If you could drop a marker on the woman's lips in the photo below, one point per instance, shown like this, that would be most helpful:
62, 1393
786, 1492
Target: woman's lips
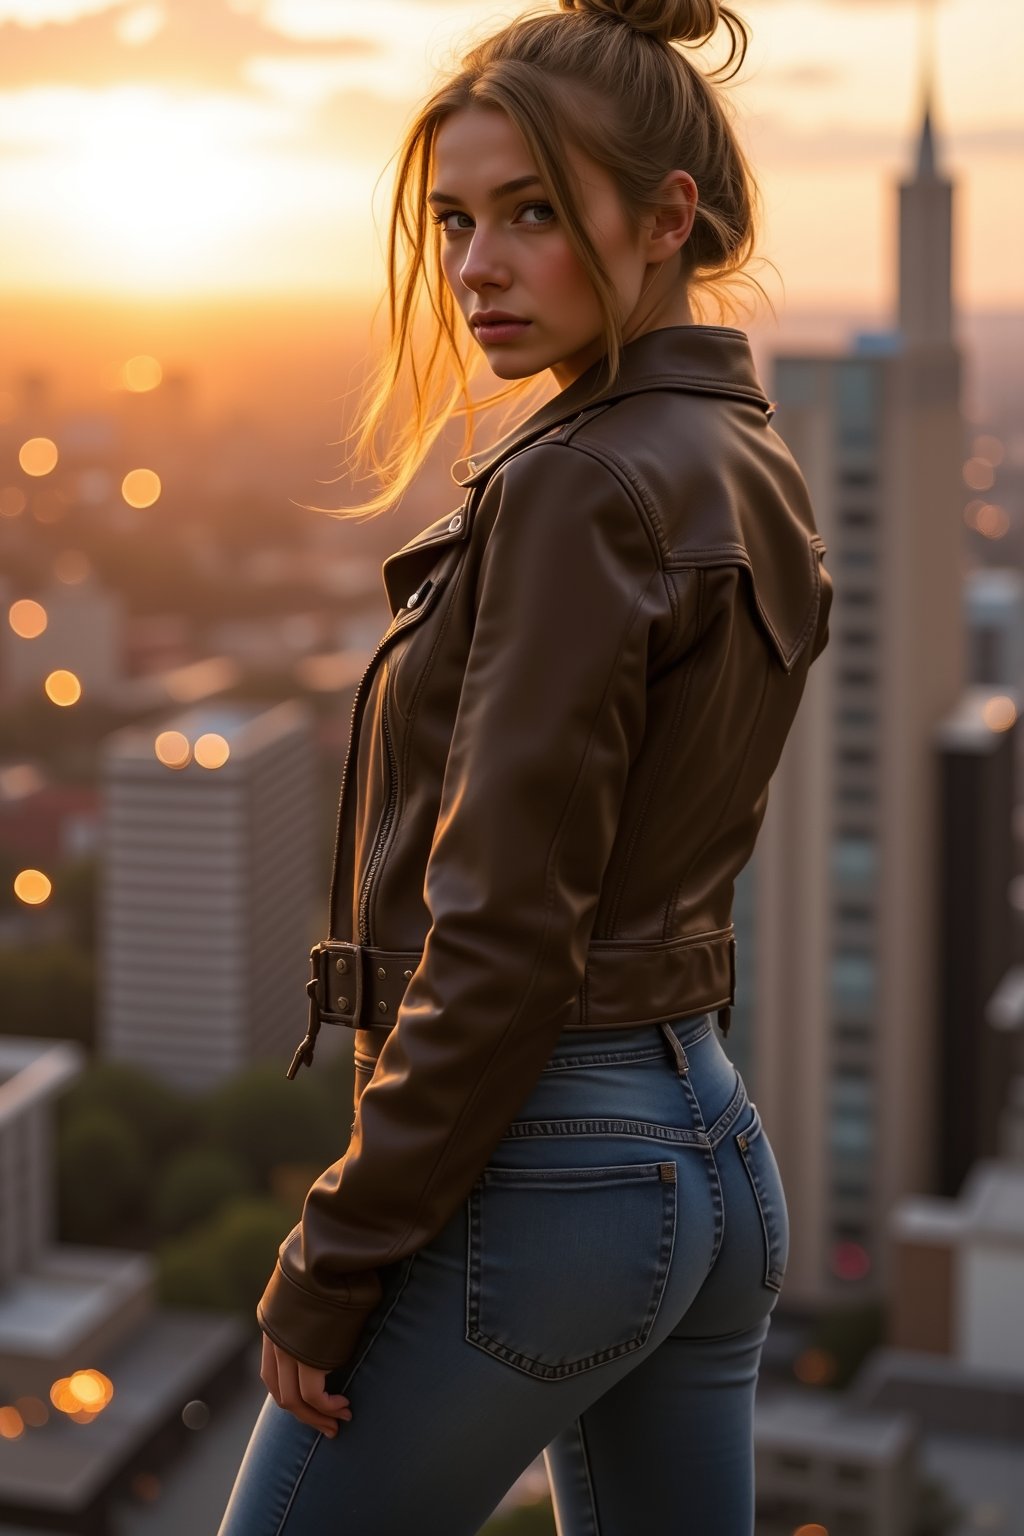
500, 330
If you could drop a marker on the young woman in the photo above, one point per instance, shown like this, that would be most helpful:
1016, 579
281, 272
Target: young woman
558, 1226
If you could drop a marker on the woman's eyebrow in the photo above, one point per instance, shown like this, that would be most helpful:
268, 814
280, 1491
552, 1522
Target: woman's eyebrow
494, 194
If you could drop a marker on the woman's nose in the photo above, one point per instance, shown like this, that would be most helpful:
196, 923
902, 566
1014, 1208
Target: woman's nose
483, 266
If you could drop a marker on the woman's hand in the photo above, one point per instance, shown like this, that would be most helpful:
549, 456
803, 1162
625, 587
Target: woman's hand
302, 1389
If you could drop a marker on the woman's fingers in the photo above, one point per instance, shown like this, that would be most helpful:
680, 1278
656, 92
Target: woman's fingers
268, 1370
313, 1387
301, 1390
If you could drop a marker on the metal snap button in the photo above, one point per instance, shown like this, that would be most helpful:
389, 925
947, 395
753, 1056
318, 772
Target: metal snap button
341, 965
407, 974
343, 1005
381, 972
382, 1007
412, 599
456, 523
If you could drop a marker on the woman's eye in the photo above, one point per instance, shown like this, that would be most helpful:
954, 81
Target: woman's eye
546, 210
441, 219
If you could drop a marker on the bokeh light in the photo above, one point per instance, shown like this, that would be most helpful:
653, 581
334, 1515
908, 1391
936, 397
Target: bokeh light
33, 1410
141, 487
71, 566
38, 456
815, 1367
211, 750
146, 1487
13, 501
63, 687
195, 1415
989, 448
979, 475
92, 1389
999, 713
141, 373
173, 749
992, 521
82, 1395
32, 887
850, 1261
27, 618
12, 1425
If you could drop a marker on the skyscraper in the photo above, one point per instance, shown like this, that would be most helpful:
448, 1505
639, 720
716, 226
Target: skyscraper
846, 907
207, 908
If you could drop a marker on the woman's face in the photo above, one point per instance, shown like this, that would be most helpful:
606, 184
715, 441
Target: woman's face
503, 249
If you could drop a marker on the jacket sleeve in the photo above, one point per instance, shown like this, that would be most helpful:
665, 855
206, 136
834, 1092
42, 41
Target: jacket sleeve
550, 716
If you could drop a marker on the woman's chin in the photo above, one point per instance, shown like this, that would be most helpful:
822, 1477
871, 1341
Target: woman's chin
508, 367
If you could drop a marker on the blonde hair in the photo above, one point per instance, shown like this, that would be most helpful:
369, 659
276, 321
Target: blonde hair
629, 100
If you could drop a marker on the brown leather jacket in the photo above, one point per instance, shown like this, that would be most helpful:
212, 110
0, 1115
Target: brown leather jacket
558, 762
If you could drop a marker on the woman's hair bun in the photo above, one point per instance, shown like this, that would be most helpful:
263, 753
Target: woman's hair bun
689, 21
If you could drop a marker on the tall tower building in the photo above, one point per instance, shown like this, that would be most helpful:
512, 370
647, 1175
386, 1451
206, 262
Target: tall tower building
208, 900
845, 1022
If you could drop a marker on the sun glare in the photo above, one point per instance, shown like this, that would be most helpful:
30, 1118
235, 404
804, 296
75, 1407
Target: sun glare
152, 183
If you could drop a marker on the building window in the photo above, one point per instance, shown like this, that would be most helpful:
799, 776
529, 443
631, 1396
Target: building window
857, 757
857, 559
851, 1128
853, 860
857, 677
853, 979
857, 517
791, 1461
850, 1472
857, 477
857, 637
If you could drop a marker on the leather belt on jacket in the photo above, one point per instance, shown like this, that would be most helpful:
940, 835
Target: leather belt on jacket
625, 985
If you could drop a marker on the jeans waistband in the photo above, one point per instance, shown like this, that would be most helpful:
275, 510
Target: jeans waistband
643, 1039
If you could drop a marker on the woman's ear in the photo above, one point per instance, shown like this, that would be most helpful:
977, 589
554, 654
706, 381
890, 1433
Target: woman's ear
670, 228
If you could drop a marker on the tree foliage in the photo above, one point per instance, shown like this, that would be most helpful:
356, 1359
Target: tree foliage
101, 1177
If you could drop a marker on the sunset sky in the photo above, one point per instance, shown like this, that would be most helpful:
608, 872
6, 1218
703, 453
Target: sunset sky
200, 146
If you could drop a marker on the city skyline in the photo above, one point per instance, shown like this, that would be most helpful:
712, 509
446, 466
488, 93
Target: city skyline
183, 148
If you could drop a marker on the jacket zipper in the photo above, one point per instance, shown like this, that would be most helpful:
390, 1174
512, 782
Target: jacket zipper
357, 703
383, 828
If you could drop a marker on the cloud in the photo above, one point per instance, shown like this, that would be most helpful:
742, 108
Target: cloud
202, 44
774, 141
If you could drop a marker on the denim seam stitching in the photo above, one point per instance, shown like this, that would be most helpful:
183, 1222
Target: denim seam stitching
773, 1276
606, 1126
586, 1469
377, 1331
298, 1483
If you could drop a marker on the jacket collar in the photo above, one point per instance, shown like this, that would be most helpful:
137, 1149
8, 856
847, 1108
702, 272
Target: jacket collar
701, 359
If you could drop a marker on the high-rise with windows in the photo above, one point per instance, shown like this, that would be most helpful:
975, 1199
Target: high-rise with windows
846, 900
208, 902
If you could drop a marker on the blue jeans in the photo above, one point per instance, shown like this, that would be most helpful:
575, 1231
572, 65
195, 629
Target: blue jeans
602, 1296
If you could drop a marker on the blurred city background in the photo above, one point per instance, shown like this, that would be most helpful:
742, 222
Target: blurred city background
189, 264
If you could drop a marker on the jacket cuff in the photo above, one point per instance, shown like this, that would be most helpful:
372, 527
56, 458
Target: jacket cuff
317, 1332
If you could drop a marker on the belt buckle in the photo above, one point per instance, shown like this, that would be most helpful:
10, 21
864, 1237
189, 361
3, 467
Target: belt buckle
347, 964
341, 978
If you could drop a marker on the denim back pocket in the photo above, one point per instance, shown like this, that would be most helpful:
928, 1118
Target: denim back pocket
759, 1160
567, 1266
